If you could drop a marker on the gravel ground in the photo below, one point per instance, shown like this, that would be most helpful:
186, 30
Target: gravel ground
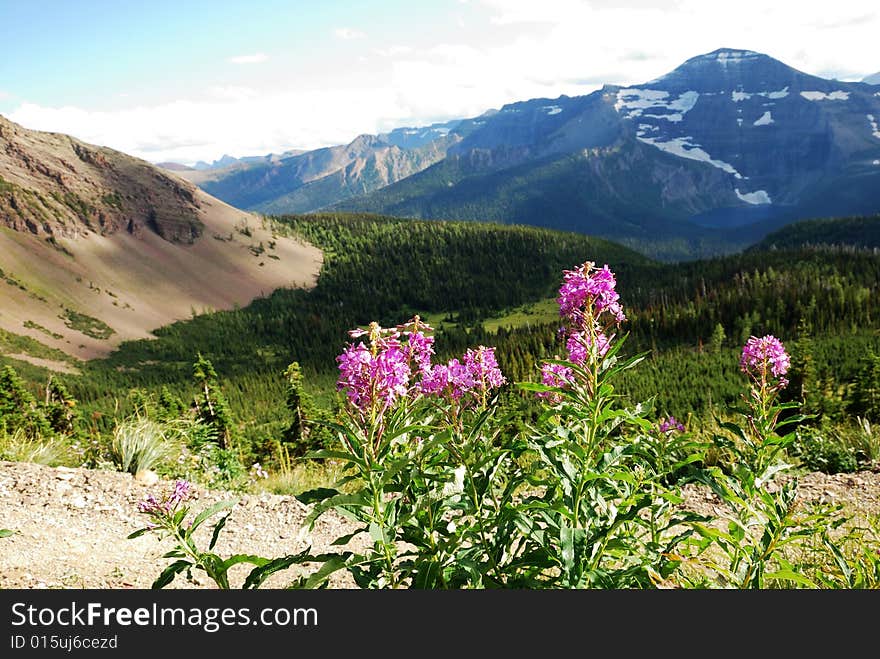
71, 526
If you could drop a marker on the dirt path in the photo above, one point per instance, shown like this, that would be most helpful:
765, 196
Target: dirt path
71, 526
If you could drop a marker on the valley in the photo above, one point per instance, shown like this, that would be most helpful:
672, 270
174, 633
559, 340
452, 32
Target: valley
571, 342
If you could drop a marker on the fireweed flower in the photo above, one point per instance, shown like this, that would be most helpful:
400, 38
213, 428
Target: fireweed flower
764, 357
578, 345
554, 375
587, 292
180, 493
419, 347
589, 306
671, 424
475, 374
374, 376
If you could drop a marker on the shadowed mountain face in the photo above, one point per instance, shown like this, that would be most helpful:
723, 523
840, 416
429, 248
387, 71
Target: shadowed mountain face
97, 247
728, 139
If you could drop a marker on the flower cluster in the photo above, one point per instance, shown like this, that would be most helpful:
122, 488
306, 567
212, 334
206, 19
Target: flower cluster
476, 374
587, 292
375, 376
764, 357
671, 424
589, 305
554, 375
167, 504
397, 364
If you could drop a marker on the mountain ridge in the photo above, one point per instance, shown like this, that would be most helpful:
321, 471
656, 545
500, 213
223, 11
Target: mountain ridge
777, 135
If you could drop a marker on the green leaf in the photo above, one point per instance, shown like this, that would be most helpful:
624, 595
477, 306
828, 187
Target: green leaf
790, 575
339, 501
5, 533
318, 494
332, 563
260, 573
259, 561
131, 536
169, 573
217, 528
345, 539
213, 510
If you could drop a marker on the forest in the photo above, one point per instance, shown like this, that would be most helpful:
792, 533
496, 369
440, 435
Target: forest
250, 380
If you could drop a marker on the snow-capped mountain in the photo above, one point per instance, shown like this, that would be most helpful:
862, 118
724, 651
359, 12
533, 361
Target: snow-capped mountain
728, 138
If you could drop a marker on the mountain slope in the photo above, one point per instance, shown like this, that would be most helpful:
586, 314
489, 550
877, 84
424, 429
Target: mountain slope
97, 247
727, 139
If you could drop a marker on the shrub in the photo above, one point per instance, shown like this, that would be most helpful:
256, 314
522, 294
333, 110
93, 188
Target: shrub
139, 444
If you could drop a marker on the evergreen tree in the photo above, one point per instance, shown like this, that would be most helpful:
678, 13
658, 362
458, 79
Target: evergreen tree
18, 407
210, 404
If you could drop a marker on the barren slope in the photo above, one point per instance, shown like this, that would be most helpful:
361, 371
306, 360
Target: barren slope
97, 247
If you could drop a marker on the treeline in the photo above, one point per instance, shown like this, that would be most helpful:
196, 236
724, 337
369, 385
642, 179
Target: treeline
846, 233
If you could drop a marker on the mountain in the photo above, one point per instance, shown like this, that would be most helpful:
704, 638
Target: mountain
873, 79
305, 181
728, 139
97, 247
318, 178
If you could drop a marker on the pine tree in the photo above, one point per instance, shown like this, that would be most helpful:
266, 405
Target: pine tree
210, 404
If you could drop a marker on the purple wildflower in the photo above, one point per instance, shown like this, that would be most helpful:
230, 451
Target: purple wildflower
763, 355
671, 424
578, 345
181, 492
483, 368
588, 286
554, 375
149, 505
476, 374
153, 506
380, 375
419, 349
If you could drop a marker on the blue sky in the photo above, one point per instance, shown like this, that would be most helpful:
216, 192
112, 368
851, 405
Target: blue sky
194, 80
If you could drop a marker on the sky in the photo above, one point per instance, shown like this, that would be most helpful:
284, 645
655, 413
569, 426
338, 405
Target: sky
187, 81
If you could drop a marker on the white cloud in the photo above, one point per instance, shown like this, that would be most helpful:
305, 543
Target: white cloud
255, 58
348, 34
513, 50
242, 124
392, 51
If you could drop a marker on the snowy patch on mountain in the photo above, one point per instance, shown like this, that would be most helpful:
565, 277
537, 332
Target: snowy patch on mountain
683, 148
782, 93
764, 120
635, 101
756, 198
552, 109
875, 131
822, 96
726, 57
738, 96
